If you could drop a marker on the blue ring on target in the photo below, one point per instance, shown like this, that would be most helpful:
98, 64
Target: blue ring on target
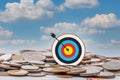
60, 49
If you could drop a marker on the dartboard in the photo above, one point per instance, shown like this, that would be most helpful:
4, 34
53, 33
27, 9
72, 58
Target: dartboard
68, 49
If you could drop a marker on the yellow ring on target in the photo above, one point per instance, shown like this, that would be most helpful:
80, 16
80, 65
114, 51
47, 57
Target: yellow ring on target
68, 52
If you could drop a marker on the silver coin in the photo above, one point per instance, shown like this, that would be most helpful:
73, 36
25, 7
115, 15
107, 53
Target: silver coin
29, 67
37, 74
91, 71
112, 65
50, 60
35, 58
34, 71
41, 65
37, 62
12, 64
8, 67
5, 57
106, 75
75, 71
47, 69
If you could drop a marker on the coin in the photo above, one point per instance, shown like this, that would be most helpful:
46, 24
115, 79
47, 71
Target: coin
106, 75
35, 58
4, 74
12, 64
17, 57
60, 69
91, 71
93, 78
36, 62
95, 60
50, 60
98, 64
117, 73
64, 76
42, 65
51, 63
47, 69
6, 57
23, 51
19, 61
37, 74
29, 67
46, 53
17, 72
34, 71
75, 71
112, 65
3, 66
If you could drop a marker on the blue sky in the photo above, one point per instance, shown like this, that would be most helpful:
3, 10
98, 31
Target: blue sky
26, 24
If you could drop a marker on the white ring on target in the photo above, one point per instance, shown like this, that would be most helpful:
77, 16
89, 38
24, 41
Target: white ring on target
71, 36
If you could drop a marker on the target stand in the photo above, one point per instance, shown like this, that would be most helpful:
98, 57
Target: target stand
68, 49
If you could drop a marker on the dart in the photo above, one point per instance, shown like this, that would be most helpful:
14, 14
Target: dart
54, 36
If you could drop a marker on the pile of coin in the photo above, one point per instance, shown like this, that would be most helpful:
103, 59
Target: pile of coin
41, 63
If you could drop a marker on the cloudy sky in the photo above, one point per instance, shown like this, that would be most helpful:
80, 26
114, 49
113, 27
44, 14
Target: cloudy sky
26, 24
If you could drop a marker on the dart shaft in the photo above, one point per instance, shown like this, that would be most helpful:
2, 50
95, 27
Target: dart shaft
63, 45
54, 36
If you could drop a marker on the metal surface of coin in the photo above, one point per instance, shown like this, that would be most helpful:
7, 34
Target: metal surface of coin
12, 64
34, 71
17, 57
29, 67
64, 76
35, 58
6, 57
106, 75
36, 62
76, 71
17, 72
37, 74
112, 65
91, 71
60, 69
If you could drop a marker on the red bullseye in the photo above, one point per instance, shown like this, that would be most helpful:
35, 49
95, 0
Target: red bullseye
71, 53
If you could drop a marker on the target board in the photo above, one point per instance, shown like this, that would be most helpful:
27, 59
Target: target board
68, 49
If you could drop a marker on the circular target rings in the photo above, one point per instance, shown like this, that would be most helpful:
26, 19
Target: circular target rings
68, 49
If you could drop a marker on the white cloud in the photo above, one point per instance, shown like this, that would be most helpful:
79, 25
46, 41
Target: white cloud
108, 49
41, 9
87, 30
115, 42
27, 9
78, 4
4, 33
45, 37
65, 27
102, 21
16, 42
95, 25
60, 28
7, 38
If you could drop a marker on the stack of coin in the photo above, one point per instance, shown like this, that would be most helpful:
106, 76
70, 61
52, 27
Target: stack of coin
40, 63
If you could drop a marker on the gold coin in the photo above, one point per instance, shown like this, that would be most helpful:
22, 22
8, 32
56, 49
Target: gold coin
64, 76
60, 69
17, 72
